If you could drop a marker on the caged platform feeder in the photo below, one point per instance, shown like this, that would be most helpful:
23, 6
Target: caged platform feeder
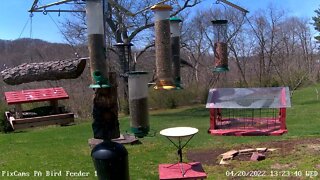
220, 47
248, 111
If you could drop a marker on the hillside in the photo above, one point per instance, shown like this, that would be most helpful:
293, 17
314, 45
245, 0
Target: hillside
26, 50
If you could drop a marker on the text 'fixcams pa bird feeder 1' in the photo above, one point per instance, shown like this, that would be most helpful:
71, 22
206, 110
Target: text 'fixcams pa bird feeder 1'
163, 47
138, 102
175, 50
220, 28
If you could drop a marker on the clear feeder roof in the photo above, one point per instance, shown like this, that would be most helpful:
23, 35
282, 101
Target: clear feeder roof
273, 97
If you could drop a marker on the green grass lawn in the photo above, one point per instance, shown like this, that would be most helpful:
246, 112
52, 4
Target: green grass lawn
55, 149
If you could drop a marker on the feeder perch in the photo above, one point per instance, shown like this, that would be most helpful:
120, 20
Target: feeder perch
138, 102
100, 81
163, 47
175, 47
248, 111
220, 45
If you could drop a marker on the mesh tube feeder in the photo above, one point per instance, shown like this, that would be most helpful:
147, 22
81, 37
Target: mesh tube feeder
175, 50
110, 159
124, 50
220, 45
138, 102
163, 47
96, 41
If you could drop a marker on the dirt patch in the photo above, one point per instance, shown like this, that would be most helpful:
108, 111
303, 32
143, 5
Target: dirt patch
212, 156
208, 157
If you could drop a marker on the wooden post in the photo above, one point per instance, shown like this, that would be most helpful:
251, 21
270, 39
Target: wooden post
213, 118
18, 109
105, 111
282, 119
55, 106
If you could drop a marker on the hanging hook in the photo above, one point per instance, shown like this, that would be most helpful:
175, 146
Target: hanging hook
59, 13
44, 11
218, 2
31, 15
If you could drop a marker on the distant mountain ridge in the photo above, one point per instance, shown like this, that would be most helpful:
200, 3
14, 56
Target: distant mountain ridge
26, 50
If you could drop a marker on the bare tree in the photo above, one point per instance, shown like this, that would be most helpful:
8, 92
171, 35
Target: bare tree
296, 52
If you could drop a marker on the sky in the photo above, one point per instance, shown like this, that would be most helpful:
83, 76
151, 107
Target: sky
14, 16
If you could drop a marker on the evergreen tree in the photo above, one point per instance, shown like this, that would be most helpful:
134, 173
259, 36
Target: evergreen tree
316, 23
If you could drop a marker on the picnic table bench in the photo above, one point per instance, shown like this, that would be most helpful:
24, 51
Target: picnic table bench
52, 95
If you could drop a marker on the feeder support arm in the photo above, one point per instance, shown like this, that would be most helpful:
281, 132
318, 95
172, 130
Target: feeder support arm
234, 6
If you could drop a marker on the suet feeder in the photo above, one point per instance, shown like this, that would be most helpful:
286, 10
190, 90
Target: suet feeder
175, 50
163, 47
220, 45
138, 102
100, 81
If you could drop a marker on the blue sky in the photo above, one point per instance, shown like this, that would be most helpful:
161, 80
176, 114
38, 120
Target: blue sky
14, 15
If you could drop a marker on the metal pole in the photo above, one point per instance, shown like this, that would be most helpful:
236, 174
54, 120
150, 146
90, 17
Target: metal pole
33, 8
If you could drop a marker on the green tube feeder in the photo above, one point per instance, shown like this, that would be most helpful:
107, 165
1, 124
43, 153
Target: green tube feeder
220, 28
175, 50
177, 82
100, 81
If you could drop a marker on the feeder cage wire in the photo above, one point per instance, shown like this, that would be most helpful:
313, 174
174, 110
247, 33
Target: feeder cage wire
248, 111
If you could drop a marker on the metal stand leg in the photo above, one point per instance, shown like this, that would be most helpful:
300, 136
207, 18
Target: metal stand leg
180, 147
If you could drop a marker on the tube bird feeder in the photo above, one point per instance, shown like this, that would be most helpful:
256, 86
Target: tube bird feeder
96, 41
110, 158
124, 51
220, 45
175, 50
138, 102
163, 49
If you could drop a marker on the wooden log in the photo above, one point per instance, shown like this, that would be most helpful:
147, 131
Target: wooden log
51, 70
